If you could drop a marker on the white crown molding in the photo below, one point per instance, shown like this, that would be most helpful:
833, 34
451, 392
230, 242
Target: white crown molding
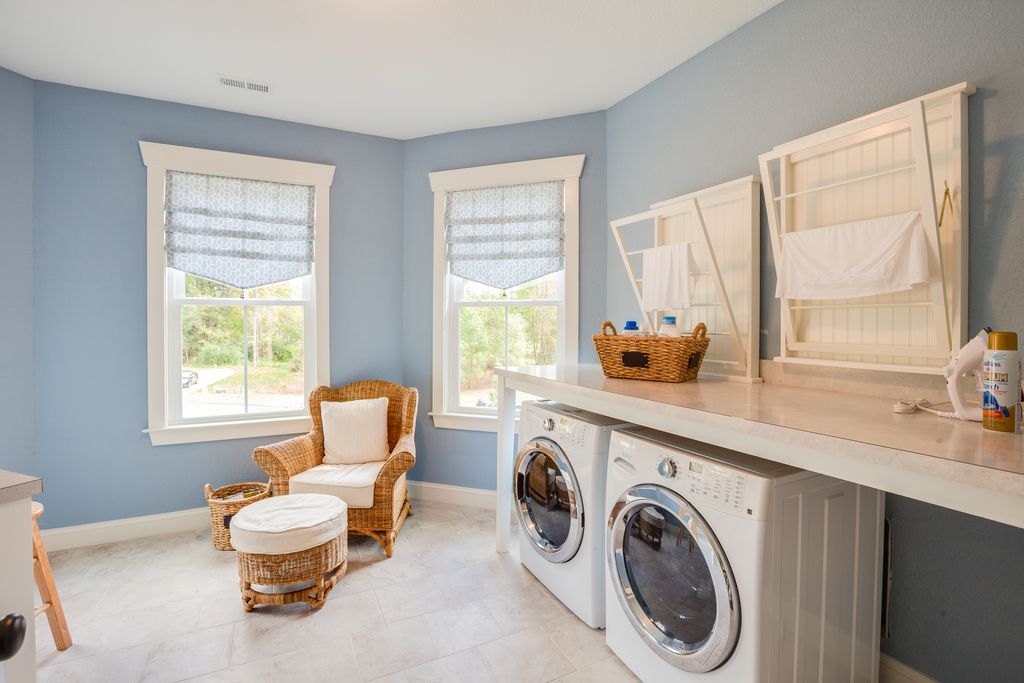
512, 173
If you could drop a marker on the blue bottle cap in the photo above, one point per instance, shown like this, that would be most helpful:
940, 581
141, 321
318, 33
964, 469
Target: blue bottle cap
669, 320
631, 325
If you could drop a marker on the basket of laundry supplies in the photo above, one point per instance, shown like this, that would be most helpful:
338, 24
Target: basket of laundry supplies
225, 502
658, 358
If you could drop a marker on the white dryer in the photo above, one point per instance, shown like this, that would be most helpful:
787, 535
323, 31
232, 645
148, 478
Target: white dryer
559, 501
725, 567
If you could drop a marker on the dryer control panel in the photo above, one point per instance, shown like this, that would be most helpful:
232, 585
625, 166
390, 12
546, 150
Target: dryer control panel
705, 482
716, 482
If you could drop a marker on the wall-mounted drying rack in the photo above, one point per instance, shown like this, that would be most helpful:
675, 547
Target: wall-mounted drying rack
722, 224
911, 156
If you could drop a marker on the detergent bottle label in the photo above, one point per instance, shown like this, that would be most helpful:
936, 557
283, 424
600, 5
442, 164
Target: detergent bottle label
1000, 381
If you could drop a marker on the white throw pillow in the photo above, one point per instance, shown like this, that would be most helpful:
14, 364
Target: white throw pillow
355, 431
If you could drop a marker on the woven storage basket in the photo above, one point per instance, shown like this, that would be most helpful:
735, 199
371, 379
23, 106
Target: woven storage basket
221, 511
662, 359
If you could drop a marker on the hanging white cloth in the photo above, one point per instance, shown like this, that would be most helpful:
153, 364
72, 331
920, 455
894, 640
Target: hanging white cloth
850, 260
667, 277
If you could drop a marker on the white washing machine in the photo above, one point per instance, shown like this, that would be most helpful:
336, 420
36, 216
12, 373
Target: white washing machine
559, 501
725, 567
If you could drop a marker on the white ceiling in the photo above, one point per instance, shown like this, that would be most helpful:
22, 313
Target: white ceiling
398, 68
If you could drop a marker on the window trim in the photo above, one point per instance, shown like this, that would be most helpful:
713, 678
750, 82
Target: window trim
158, 159
567, 169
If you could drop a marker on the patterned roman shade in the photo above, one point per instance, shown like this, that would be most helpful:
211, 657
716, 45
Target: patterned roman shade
243, 233
506, 236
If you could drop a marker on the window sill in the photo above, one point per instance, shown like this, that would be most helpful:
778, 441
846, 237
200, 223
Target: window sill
221, 431
467, 422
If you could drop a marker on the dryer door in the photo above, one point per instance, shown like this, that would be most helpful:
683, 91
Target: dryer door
672, 578
548, 500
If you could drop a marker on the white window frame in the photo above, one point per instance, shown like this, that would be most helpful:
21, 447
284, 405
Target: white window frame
163, 389
445, 412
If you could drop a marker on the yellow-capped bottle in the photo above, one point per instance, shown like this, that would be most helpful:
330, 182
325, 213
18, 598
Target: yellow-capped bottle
1000, 382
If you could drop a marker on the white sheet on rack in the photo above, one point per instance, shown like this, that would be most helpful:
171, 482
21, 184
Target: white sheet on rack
850, 260
667, 277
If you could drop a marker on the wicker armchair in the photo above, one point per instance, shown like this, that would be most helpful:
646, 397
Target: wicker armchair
390, 498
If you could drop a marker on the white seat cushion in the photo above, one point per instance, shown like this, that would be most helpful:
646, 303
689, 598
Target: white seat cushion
352, 483
288, 524
355, 431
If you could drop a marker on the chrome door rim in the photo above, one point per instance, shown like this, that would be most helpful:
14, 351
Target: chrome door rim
527, 454
714, 650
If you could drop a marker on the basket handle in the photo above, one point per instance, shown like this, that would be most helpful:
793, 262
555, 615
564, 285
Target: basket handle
700, 331
208, 490
606, 325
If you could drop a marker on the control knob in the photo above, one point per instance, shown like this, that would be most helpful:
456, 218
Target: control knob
668, 468
548, 424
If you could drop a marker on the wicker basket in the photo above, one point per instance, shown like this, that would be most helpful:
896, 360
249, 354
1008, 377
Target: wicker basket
662, 359
221, 511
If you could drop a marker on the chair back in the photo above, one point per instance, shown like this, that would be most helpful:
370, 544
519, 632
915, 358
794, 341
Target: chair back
401, 406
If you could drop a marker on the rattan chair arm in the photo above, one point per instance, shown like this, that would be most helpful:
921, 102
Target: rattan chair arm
283, 460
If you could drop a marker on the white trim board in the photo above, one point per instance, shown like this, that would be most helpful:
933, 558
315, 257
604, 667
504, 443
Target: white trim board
193, 519
894, 671
114, 530
453, 495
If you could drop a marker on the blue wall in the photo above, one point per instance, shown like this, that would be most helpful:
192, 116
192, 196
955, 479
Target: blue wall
90, 291
16, 272
465, 458
806, 65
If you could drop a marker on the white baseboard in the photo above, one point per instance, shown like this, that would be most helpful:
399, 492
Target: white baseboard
79, 535
454, 495
894, 671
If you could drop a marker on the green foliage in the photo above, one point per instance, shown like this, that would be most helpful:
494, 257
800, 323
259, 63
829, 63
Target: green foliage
213, 336
218, 355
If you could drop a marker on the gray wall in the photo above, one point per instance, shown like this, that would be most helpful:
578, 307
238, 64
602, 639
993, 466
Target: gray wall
16, 272
90, 291
465, 458
805, 65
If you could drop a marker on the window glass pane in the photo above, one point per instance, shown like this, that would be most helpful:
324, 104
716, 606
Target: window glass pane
481, 349
289, 289
200, 287
212, 355
276, 378
532, 335
542, 288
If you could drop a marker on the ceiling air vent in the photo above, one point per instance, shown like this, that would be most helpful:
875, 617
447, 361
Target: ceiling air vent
244, 84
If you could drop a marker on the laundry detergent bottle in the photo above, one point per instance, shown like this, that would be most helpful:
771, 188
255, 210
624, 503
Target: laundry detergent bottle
1000, 380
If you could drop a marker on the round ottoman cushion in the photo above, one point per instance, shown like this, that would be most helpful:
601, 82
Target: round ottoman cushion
288, 524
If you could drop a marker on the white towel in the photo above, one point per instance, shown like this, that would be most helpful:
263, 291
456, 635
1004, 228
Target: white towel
667, 277
850, 260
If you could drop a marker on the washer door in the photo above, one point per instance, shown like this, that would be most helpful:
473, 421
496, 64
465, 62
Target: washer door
672, 578
548, 501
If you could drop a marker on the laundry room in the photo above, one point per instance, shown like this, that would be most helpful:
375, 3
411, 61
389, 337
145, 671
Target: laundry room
646, 340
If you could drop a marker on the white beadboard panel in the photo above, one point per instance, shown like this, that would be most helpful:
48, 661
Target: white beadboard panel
859, 171
731, 216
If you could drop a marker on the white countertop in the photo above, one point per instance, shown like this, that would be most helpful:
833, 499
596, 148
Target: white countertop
849, 436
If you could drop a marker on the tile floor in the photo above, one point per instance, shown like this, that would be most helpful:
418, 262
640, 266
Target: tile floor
446, 607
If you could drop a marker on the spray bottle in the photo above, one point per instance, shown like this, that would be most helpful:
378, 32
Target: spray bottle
1001, 384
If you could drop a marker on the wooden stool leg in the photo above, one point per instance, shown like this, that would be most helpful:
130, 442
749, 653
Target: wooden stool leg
48, 592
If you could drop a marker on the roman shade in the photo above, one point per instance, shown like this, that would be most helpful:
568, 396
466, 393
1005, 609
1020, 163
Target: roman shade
242, 233
505, 236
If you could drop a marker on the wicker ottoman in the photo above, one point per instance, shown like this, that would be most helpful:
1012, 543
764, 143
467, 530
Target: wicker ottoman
290, 549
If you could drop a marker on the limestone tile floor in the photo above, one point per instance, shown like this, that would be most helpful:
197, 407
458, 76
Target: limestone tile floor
446, 607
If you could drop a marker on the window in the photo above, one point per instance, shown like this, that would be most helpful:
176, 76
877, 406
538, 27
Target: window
506, 274
237, 292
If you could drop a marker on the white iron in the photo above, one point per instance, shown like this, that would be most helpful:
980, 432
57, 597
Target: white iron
967, 361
